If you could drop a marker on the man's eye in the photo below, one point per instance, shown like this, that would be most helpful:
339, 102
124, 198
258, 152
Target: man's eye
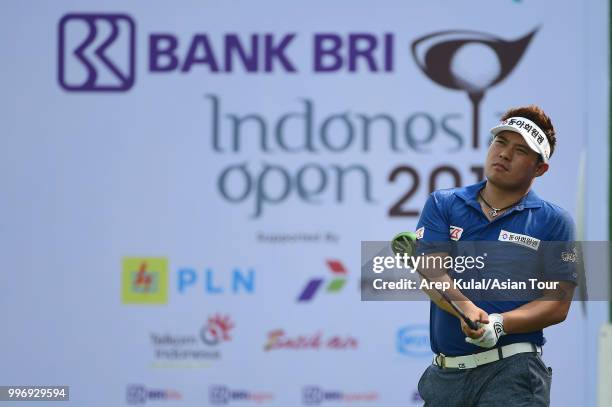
523, 152
499, 141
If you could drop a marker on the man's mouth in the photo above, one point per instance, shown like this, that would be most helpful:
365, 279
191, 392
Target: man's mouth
501, 166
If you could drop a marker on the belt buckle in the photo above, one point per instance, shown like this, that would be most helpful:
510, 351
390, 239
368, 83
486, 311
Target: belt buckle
442, 361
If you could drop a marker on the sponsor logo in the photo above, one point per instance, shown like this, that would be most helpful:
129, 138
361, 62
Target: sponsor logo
420, 232
96, 52
531, 130
212, 282
499, 328
314, 396
455, 232
222, 395
95, 59
413, 340
178, 350
447, 57
139, 394
279, 340
216, 330
335, 285
570, 256
262, 189
523, 240
144, 280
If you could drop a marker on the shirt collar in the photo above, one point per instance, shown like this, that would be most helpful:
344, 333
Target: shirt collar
470, 195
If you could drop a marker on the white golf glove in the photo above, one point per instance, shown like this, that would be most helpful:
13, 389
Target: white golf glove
493, 331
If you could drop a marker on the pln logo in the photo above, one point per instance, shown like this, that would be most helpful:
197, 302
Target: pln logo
335, 285
96, 52
147, 280
144, 280
209, 281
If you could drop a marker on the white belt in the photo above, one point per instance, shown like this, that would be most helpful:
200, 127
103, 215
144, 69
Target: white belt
482, 358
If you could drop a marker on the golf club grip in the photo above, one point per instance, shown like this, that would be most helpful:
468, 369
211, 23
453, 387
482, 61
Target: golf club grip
473, 325
404, 242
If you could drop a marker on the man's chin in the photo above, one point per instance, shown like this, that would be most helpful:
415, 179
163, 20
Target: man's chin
506, 184
499, 180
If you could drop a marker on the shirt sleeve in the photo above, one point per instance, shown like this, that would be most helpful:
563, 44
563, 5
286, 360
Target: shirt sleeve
562, 257
433, 227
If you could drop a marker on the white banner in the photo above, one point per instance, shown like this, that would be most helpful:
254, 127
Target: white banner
186, 186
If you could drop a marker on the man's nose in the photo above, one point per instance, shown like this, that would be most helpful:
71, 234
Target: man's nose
506, 153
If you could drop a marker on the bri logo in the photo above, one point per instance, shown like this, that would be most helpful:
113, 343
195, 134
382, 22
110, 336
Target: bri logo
222, 395
139, 394
96, 52
86, 43
315, 395
335, 285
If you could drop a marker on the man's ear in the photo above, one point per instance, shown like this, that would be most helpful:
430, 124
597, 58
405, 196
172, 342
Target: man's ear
541, 169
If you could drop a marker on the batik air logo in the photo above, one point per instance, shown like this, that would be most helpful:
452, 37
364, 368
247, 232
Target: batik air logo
523, 240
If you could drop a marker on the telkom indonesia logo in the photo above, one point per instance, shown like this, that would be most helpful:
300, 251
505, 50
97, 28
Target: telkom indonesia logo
216, 330
96, 52
335, 284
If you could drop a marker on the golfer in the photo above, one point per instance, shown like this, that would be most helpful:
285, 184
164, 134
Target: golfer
500, 362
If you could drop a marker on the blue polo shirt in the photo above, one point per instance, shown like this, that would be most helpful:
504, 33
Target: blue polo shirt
453, 219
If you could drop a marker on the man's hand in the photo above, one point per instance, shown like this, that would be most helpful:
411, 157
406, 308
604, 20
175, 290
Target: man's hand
475, 314
492, 332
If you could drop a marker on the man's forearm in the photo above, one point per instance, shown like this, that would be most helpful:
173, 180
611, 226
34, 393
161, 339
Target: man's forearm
441, 276
440, 302
540, 313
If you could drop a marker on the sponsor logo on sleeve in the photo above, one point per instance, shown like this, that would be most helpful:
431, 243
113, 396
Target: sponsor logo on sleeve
420, 232
455, 232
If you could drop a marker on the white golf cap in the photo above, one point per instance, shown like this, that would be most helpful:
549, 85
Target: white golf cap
533, 135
